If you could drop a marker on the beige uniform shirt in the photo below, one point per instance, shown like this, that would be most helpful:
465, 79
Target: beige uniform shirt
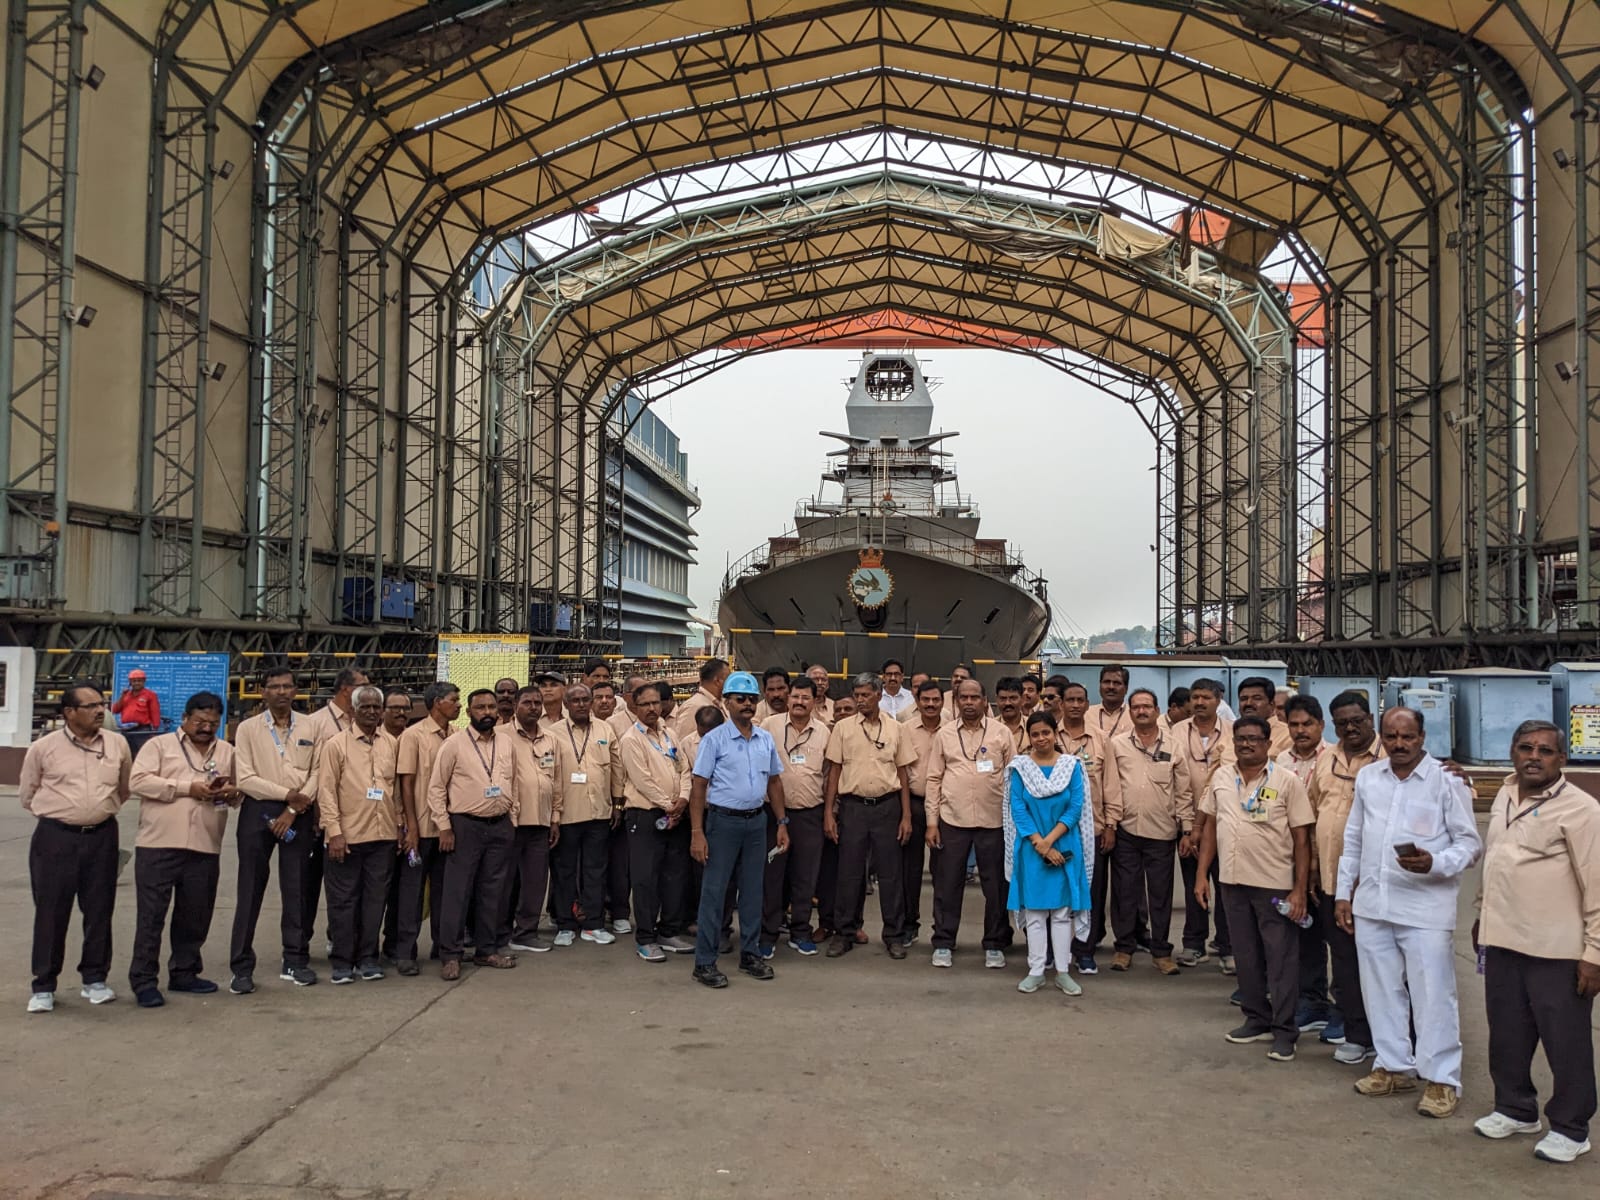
170, 818
1256, 849
804, 754
357, 797
588, 772
1541, 874
419, 747
1105, 789
475, 775
870, 755
1019, 734
1157, 801
76, 783
620, 721
686, 751
274, 760
1281, 740
536, 775
1304, 768
1107, 722
682, 723
327, 722
1332, 791
652, 767
1201, 755
922, 742
967, 775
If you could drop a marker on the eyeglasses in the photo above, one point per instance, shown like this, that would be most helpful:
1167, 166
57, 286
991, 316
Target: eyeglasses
1248, 739
93, 704
397, 708
506, 692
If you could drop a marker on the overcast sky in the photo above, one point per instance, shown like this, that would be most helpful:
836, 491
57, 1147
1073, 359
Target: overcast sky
1060, 470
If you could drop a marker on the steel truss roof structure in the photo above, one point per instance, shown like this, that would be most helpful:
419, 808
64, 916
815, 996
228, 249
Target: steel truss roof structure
473, 226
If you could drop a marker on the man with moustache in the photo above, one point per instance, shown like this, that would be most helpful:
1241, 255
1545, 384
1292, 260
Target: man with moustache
421, 863
658, 842
530, 851
791, 878
1111, 715
589, 779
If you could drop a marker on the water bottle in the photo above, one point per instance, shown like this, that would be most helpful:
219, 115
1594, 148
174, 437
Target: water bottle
288, 834
413, 859
1282, 907
664, 822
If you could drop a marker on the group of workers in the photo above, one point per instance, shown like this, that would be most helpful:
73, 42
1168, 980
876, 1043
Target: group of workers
620, 811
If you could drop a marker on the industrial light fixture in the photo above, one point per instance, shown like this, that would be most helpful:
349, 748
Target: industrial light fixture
1452, 239
81, 314
94, 77
1565, 370
215, 371
225, 168
1562, 160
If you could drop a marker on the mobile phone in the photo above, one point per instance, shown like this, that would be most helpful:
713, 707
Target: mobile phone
1405, 849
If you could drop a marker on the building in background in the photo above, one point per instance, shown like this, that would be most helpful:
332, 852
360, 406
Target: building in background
657, 549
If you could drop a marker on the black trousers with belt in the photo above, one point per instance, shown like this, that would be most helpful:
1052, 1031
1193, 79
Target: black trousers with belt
581, 859
618, 866
1196, 918
1314, 959
475, 875
659, 873
186, 882
1143, 870
257, 848
525, 898
408, 887
1346, 976
358, 886
950, 884
1266, 946
67, 864
869, 827
914, 864
1533, 1001
791, 879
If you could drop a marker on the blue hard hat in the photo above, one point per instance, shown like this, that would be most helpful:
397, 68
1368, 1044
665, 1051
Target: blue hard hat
741, 683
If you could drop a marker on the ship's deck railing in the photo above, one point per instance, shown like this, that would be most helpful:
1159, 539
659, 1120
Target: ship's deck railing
933, 509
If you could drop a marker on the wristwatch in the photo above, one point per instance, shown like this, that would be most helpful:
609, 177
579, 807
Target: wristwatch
783, 820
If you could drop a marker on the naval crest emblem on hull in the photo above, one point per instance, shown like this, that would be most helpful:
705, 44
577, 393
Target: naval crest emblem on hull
870, 585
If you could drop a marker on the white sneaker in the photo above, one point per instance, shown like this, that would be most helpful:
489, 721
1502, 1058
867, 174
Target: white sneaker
994, 960
943, 958
1497, 1125
42, 1002
1353, 1054
622, 925
565, 937
1558, 1147
600, 937
97, 993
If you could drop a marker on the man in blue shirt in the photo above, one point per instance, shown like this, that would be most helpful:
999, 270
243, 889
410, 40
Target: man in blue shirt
735, 770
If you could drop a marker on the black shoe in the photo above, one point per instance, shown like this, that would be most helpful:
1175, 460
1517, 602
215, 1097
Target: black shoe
841, 945
195, 986
408, 966
242, 984
755, 966
725, 946
714, 978
299, 976
897, 949
149, 997
370, 970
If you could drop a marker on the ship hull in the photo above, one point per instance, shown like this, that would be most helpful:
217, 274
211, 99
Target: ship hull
972, 615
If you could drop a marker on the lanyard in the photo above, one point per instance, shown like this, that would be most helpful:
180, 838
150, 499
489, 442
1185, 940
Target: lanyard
98, 751
272, 728
804, 737
371, 743
1115, 721
494, 749
1153, 751
588, 732
338, 724
962, 742
210, 767
876, 741
1529, 810
1206, 743
667, 751
1252, 804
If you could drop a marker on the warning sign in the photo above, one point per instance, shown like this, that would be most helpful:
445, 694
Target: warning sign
1584, 731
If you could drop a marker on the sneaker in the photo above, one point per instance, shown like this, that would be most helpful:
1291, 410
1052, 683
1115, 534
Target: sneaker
1438, 1100
1281, 1052
767, 952
803, 946
195, 986
943, 958
343, 975
1085, 965
1031, 983
1353, 1054
1310, 1019
995, 960
1228, 967
1333, 1032
897, 950
239, 985
1165, 965
42, 1002
100, 993
1380, 1081
840, 945
677, 944
408, 966
370, 971
600, 937
532, 944
1237, 998
1121, 961
565, 937
1191, 958
725, 944
1248, 1033
755, 966
1068, 984
651, 953
1558, 1147
149, 997
711, 977
1497, 1125
1142, 946
622, 925
299, 976
911, 938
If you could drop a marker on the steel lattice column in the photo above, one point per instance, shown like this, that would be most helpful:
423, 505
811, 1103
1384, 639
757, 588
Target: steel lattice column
419, 532
363, 334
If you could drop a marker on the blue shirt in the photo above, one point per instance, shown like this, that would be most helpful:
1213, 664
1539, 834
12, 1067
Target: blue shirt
736, 768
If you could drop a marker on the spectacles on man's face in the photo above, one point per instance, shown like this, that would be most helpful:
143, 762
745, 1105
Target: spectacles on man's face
1540, 750
91, 705
1248, 739
397, 708
507, 692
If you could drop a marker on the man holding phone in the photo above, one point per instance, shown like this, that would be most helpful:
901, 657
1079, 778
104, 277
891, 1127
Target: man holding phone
1409, 838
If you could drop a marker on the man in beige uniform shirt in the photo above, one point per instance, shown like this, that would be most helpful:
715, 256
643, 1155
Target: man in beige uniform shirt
867, 810
917, 857
957, 673
361, 820
1010, 709
1076, 736
713, 674
774, 694
333, 718
1539, 929
473, 795
1111, 715
185, 784
966, 782
1257, 698
1303, 719
1205, 740
552, 687
790, 883
1157, 823
589, 778
421, 865
274, 754
622, 718
1177, 709
74, 781
529, 885
823, 709
912, 713
657, 836
604, 707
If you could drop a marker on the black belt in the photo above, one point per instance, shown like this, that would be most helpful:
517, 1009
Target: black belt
481, 820
870, 801
78, 828
737, 812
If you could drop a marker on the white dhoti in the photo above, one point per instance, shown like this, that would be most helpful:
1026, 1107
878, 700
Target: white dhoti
1408, 980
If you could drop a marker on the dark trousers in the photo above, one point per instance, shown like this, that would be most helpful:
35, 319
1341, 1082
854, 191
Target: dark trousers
1098, 888
791, 879
475, 879
1346, 976
408, 886
950, 884
914, 864
1143, 870
1196, 918
358, 886
1267, 952
619, 856
658, 868
524, 903
581, 857
736, 848
67, 864
185, 881
1532, 1001
870, 827
257, 847
316, 858
1314, 959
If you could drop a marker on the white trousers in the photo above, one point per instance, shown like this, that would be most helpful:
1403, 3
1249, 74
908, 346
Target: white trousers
1045, 927
1408, 979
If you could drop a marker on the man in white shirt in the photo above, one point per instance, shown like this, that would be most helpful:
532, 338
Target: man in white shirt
896, 699
1409, 838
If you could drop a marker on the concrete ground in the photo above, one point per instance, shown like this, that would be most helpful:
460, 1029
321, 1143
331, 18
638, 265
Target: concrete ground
586, 1072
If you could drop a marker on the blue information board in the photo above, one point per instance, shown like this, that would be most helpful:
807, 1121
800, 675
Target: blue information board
173, 676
